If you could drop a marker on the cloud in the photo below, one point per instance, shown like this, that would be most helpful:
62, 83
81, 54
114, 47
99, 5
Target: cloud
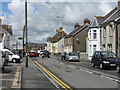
42, 16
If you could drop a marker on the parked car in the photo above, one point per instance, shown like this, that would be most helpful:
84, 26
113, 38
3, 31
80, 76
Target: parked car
33, 54
45, 54
104, 59
12, 57
3, 60
118, 66
72, 57
41, 52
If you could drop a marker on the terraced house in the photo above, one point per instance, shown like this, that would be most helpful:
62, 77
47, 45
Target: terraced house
76, 40
110, 31
93, 40
55, 44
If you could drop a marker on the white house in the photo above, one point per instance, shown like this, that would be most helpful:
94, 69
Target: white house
93, 40
16, 42
55, 44
5, 32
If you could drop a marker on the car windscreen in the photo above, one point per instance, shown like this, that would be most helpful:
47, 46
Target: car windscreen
72, 54
108, 55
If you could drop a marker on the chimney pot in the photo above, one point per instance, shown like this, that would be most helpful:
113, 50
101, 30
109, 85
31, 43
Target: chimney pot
86, 21
118, 3
76, 25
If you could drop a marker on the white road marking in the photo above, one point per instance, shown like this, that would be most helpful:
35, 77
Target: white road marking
110, 78
3, 74
86, 71
62, 63
16, 78
71, 66
98, 74
6, 79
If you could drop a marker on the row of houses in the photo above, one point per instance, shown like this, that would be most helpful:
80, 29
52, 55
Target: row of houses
103, 33
8, 40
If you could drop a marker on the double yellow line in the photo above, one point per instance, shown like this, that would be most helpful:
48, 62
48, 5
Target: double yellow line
61, 83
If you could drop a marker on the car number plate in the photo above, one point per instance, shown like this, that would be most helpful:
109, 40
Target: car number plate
112, 64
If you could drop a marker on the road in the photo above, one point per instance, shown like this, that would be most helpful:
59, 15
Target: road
8, 78
80, 74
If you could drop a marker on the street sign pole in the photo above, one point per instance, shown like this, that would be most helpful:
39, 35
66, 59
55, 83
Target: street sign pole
26, 33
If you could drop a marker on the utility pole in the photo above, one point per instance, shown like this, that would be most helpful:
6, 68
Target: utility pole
23, 39
26, 31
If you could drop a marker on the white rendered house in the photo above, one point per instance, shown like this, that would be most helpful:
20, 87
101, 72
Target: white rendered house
93, 40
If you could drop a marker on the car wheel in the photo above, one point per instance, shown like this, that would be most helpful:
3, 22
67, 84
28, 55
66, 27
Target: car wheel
118, 69
101, 66
14, 60
93, 65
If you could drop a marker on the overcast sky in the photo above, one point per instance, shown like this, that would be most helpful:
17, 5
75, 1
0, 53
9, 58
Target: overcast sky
42, 16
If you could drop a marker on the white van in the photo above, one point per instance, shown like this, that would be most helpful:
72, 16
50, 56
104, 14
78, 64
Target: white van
11, 55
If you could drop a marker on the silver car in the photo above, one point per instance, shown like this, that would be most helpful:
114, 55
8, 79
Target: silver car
72, 57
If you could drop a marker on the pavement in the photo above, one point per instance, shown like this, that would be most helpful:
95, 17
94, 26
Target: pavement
33, 78
10, 77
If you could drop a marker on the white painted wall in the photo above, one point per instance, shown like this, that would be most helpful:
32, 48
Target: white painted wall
15, 42
91, 42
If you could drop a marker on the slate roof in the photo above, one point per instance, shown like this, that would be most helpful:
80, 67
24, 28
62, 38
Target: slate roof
57, 37
111, 15
76, 31
8, 28
97, 21
100, 19
114, 16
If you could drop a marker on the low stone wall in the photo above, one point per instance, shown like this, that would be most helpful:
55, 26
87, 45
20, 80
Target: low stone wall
57, 54
84, 56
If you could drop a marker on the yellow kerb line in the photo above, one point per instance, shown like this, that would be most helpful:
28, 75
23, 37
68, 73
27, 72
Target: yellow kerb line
49, 74
53, 76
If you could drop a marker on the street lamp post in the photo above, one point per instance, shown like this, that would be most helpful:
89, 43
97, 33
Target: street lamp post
62, 33
23, 39
26, 33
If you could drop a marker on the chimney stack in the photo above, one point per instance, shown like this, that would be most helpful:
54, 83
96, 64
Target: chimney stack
86, 21
118, 3
59, 30
76, 26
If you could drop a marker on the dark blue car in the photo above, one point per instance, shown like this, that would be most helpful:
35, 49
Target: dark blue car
118, 66
104, 59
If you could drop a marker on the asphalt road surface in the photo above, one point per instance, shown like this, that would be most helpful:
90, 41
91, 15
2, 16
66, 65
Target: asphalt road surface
80, 74
8, 75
